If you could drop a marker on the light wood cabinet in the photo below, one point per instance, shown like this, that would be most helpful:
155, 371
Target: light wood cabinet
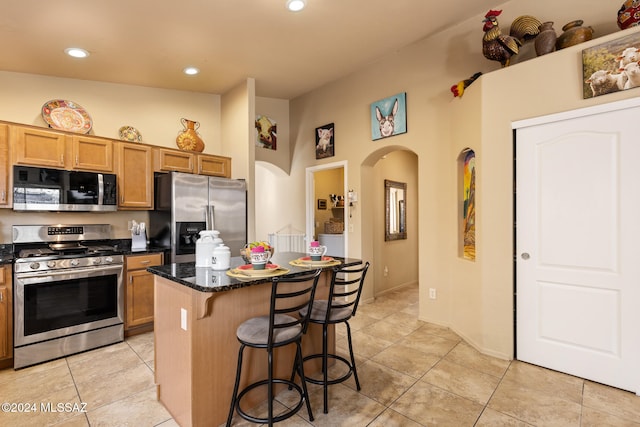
139, 290
48, 148
166, 160
38, 147
4, 166
135, 176
214, 165
6, 314
91, 154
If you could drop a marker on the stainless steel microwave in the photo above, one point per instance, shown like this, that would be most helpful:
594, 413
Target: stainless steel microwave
41, 189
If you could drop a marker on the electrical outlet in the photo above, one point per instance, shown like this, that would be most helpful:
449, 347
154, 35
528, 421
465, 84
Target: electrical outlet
432, 293
183, 318
386, 271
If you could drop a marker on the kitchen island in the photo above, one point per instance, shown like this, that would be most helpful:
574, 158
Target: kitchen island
197, 312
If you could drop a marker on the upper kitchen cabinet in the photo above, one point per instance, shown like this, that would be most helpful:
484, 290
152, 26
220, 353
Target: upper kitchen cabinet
4, 165
166, 160
91, 154
135, 176
214, 165
38, 147
48, 148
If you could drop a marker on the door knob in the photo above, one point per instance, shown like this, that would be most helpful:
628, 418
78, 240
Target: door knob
525, 256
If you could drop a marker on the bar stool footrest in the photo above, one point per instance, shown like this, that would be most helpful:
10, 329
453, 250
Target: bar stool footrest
343, 378
278, 418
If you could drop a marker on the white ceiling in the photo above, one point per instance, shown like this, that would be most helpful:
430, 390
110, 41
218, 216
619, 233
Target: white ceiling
149, 42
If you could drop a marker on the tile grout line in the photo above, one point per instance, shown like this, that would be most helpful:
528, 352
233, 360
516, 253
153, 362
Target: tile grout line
75, 385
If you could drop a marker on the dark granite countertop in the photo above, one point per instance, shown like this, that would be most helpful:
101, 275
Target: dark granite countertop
143, 251
205, 279
124, 245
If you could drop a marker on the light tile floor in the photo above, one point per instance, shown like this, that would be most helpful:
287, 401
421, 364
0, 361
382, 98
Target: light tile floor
412, 374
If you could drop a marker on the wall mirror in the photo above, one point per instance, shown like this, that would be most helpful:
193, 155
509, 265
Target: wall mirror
395, 196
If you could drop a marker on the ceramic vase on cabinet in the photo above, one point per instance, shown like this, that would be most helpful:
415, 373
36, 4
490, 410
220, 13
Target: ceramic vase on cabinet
545, 41
189, 139
574, 33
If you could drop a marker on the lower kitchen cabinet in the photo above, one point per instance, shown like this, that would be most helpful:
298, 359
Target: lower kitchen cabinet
139, 292
6, 317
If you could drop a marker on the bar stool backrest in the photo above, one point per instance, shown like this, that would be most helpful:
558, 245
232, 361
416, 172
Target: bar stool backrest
289, 295
346, 288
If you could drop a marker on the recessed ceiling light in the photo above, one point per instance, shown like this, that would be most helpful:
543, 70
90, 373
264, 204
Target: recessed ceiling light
76, 52
191, 71
295, 5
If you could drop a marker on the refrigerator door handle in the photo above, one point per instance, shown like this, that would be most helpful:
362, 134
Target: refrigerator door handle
209, 217
212, 219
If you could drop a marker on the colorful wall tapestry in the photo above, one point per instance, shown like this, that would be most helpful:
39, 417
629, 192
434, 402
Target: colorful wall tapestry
469, 210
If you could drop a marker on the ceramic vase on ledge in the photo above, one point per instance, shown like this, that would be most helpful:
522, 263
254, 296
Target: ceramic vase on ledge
629, 14
545, 41
574, 33
189, 139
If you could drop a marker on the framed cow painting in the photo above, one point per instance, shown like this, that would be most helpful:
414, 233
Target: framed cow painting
267, 133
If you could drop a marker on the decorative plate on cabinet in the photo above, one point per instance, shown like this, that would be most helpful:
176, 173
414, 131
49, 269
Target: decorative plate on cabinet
66, 115
129, 133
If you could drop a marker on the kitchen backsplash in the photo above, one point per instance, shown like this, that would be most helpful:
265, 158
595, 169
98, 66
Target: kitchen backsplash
118, 220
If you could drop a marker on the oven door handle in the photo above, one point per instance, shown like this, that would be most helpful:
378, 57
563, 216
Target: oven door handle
69, 272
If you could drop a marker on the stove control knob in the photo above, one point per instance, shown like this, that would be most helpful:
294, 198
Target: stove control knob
97, 261
51, 264
108, 260
34, 265
74, 263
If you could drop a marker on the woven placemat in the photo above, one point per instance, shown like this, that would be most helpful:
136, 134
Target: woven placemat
239, 274
313, 264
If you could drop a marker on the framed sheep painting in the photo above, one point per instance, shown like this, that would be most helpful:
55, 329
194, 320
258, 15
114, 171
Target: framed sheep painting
325, 141
611, 67
389, 116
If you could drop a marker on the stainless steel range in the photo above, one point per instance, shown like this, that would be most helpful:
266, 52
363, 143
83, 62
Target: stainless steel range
68, 291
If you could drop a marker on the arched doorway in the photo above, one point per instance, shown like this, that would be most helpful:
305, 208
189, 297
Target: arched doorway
394, 263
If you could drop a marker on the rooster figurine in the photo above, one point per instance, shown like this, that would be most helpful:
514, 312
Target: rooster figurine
458, 88
495, 45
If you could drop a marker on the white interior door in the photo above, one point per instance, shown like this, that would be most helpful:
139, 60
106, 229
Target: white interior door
578, 225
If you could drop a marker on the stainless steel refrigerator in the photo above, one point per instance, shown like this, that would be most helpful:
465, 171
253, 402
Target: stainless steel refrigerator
186, 204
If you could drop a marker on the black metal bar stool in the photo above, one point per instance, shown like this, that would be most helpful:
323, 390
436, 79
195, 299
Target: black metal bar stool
282, 326
344, 295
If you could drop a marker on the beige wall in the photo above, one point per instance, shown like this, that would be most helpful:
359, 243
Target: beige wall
474, 298
156, 113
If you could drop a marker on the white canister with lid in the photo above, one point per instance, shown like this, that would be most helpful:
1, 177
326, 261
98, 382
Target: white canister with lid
221, 258
217, 240
204, 248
